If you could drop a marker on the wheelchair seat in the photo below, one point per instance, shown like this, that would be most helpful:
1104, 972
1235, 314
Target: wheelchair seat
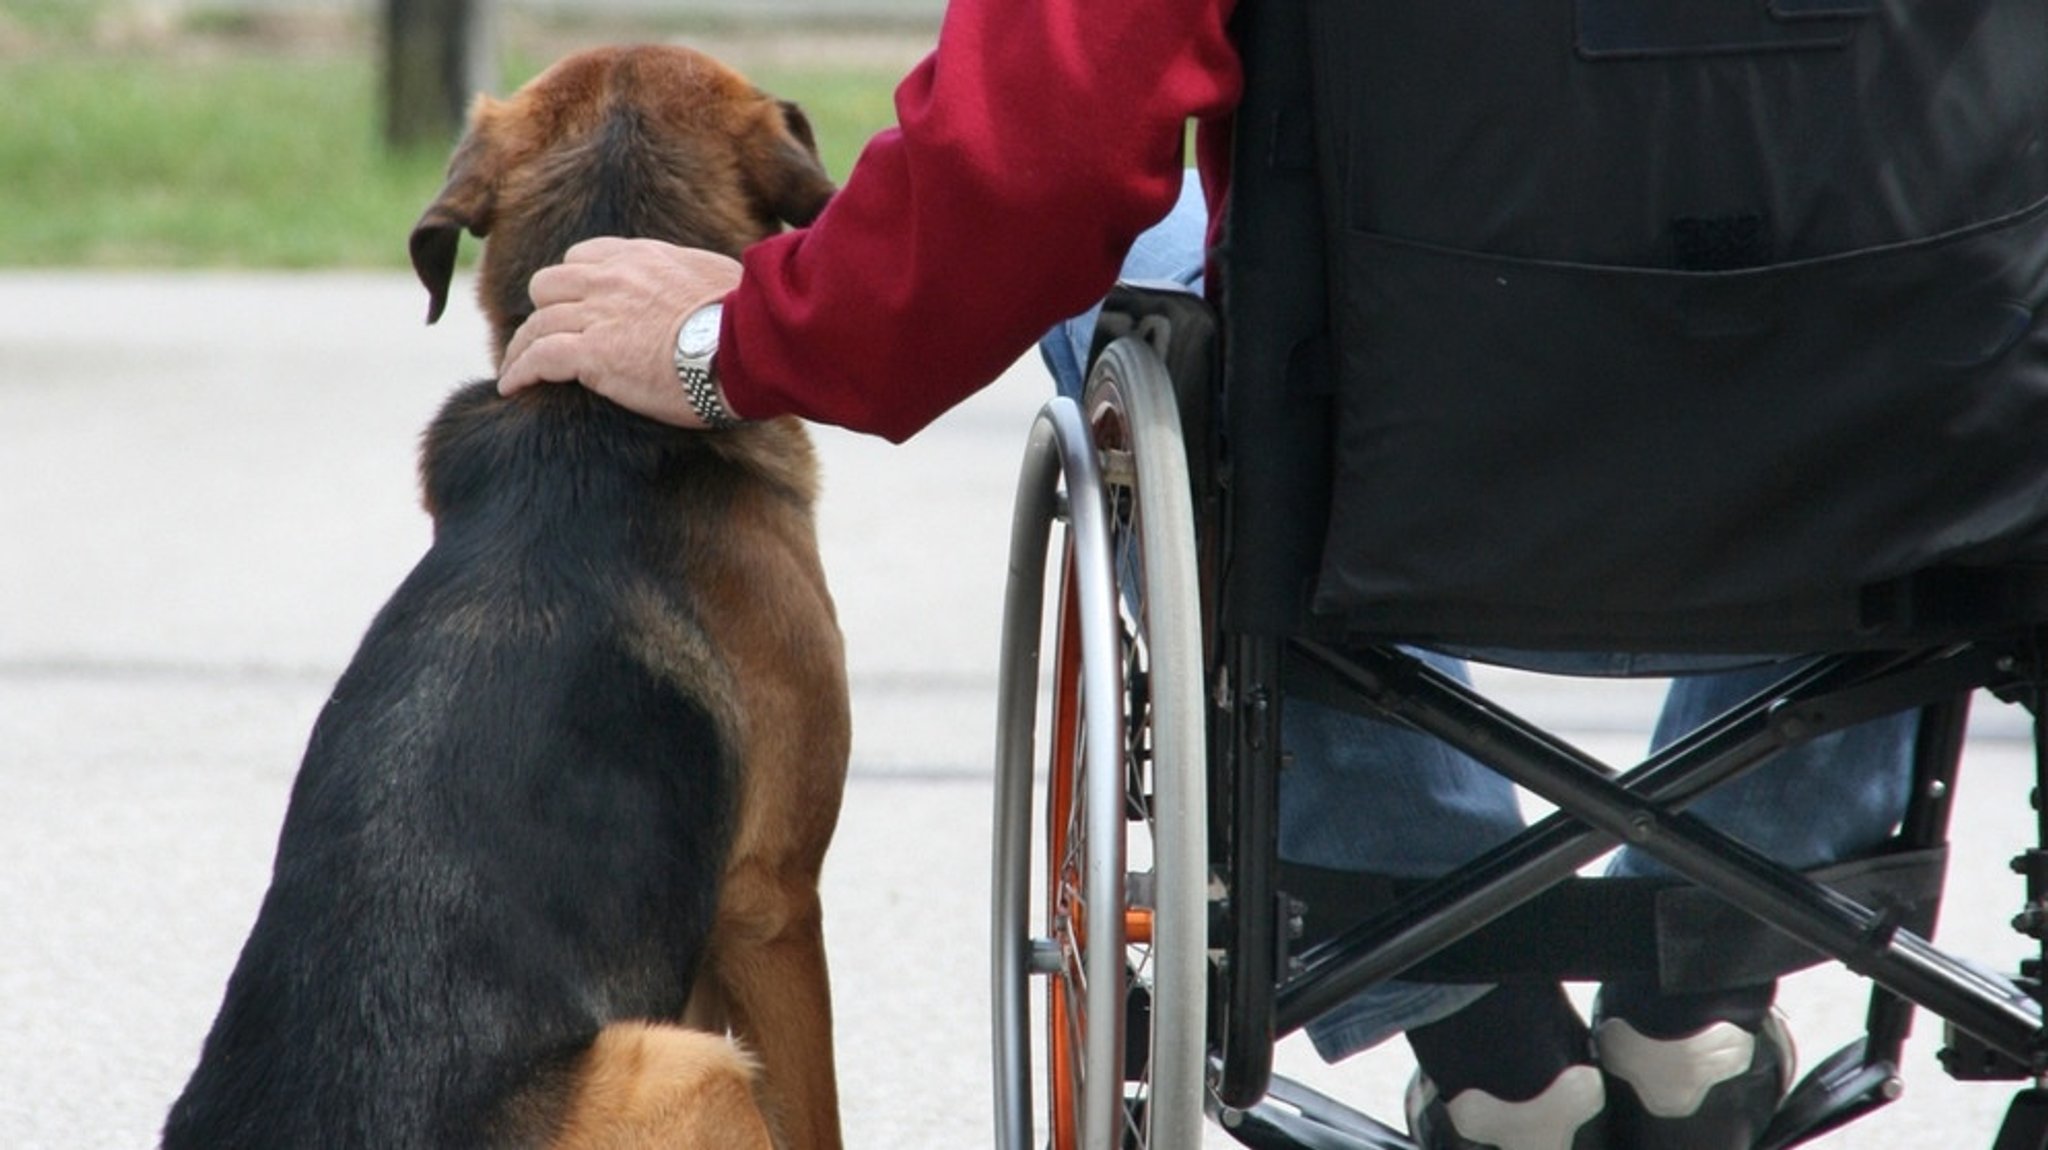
1704, 374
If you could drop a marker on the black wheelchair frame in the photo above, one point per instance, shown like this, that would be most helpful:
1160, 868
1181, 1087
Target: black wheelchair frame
1279, 946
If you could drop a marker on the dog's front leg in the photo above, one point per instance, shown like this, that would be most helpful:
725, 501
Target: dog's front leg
771, 979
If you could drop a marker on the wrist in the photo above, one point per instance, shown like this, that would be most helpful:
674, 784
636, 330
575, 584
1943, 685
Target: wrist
696, 366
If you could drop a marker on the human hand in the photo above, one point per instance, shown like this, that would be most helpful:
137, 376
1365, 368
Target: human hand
607, 317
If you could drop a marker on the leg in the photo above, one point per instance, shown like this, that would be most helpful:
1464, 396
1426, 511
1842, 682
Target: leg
1719, 1059
1529, 1080
1507, 1066
1430, 809
1814, 804
769, 977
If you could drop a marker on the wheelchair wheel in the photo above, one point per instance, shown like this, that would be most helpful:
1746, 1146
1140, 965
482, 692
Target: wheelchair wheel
1123, 889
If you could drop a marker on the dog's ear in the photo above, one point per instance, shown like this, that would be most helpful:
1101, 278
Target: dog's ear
467, 201
787, 173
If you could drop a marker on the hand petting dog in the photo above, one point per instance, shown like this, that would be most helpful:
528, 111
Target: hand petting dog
592, 313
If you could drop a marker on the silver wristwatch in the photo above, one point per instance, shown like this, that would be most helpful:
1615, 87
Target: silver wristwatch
696, 348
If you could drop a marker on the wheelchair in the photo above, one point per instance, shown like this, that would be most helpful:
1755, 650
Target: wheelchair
1225, 545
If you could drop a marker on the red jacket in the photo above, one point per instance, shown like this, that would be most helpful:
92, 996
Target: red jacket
1032, 147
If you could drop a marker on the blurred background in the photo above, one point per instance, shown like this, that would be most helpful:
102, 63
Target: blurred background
292, 133
212, 378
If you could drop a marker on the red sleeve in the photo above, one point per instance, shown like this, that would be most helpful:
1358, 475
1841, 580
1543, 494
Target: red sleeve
1032, 146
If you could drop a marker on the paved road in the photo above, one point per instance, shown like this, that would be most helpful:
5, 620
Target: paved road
208, 490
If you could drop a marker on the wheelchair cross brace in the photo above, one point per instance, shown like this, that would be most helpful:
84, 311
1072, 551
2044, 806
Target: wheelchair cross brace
1598, 810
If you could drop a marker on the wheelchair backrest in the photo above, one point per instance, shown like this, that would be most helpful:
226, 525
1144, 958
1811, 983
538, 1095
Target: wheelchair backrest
1635, 323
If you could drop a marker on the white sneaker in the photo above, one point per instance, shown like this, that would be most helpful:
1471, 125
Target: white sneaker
1570, 1114
1714, 1089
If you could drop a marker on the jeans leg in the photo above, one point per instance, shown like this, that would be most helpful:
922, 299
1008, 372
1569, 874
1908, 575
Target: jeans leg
1817, 803
1369, 796
1364, 795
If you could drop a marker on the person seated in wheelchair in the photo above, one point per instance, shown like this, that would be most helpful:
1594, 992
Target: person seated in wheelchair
1041, 141
1515, 1065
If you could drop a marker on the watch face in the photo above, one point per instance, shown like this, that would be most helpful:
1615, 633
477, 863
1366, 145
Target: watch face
699, 336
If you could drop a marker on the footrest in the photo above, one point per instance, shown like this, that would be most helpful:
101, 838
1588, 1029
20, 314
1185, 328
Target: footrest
1296, 1117
1840, 1090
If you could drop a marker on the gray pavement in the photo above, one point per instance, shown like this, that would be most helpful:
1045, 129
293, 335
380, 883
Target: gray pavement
208, 490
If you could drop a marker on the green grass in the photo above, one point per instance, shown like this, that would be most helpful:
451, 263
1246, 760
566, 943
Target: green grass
231, 161
70, 18
252, 157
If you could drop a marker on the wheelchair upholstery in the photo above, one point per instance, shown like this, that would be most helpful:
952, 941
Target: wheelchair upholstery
1701, 368
1649, 328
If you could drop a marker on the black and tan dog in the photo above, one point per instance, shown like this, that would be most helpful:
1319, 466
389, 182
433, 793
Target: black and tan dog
578, 782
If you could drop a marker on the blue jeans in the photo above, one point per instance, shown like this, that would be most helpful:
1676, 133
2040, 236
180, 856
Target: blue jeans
1369, 796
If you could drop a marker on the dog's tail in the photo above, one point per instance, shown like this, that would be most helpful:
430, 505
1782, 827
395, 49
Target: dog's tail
649, 1085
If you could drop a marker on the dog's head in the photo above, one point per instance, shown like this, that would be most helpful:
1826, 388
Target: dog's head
657, 142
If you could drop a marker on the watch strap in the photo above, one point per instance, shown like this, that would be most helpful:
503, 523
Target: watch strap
702, 391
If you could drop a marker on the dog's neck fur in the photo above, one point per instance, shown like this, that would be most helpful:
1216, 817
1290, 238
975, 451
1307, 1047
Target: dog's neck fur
635, 142
648, 141
618, 181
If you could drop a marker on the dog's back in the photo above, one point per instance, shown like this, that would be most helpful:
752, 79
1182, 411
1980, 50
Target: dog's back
502, 778
509, 826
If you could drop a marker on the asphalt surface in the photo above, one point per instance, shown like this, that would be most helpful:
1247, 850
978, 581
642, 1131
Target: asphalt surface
206, 490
